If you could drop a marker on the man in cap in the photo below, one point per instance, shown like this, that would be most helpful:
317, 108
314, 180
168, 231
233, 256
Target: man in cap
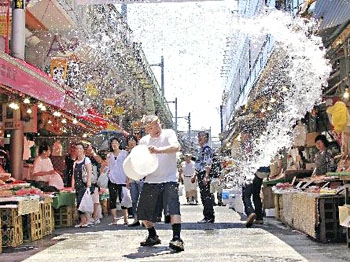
162, 183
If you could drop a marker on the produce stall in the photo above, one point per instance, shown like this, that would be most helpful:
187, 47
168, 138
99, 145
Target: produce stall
344, 211
311, 209
25, 212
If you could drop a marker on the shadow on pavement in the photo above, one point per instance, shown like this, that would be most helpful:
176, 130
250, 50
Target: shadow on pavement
159, 226
154, 251
306, 246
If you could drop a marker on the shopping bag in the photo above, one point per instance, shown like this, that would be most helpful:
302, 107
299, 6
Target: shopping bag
126, 198
86, 204
181, 189
103, 180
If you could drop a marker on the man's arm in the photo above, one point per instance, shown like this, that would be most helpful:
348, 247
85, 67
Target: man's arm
173, 147
164, 150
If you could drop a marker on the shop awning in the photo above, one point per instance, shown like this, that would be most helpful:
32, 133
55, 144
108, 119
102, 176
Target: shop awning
333, 13
29, 80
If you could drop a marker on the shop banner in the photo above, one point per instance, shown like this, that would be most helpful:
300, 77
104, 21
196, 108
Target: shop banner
98, 2
29, 80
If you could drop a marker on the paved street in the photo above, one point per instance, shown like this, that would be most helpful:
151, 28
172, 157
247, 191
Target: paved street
226, 240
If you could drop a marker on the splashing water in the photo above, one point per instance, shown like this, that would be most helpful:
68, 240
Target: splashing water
296, 73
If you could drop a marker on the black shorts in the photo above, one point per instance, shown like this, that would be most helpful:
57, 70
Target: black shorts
152, 193
115, 191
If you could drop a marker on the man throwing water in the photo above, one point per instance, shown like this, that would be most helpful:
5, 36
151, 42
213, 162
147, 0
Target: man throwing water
161, 183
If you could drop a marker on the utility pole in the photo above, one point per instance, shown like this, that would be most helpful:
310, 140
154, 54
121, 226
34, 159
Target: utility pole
125, 12
175, 102
162, 74
161, 64
176, 114
210, 142
17, 50
189, 126
18, 28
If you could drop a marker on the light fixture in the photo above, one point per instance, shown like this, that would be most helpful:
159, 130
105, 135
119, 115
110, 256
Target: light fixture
49, 122
29, 111
43, 108
26, 100
346, 94
56, 113
14, 105
64, 121
8, 135
40, 105
75, 121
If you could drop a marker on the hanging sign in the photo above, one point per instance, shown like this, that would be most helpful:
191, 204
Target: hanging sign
98, 2
19, 4
59, 69
109, 107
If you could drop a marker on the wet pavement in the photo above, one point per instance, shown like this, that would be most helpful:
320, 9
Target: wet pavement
226, 240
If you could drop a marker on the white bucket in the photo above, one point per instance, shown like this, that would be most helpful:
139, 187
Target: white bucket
140, 163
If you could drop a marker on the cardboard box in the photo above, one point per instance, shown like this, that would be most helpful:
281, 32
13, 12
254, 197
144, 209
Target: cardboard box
310, 139
344, 215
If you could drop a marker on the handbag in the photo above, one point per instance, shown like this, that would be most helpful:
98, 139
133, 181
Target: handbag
84, 174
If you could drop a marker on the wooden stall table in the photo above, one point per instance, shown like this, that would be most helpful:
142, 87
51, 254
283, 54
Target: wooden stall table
345, 177
26, 205
313, 214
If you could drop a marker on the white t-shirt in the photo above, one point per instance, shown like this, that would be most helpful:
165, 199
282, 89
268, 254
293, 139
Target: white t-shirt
42, 165
116, 171
188, 169
167, 165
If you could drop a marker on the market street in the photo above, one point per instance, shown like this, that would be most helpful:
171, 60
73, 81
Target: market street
226, 240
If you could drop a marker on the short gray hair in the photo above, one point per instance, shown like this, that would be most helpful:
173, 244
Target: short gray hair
149, 119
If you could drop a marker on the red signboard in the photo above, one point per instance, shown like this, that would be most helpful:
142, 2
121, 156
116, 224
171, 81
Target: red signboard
29, 80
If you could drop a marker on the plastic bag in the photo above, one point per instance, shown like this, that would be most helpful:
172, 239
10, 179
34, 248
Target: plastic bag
181, 189
126, 198
103, 180
86, 204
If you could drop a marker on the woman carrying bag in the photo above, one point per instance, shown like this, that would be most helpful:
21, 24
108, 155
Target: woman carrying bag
82, 171
117, 179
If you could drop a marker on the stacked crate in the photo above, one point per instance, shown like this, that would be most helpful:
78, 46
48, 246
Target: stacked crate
36, 225
11, 227
329, 229
63, 216
47, 218
32, 226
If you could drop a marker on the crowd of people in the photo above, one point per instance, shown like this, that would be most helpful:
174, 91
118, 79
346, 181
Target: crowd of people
158, 192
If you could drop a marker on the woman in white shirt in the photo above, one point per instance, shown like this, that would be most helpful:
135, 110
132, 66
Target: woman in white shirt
43, 169
117, 178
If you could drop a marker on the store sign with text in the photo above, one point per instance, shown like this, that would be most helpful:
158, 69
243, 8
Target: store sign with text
97, 2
